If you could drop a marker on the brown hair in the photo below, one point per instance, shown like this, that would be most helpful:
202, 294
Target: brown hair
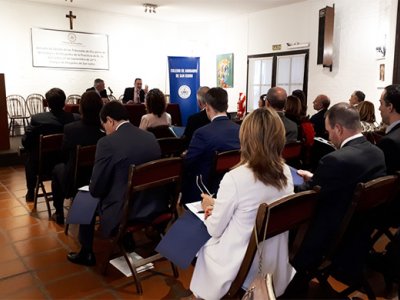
262, 138
367, 111
155, 102
293, 106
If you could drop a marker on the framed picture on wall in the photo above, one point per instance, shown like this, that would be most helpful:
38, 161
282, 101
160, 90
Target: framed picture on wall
225, 70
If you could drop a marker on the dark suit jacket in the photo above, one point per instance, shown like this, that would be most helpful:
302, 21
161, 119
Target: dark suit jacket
114, 154
220, 135
390, 145
338, 174
291, 129
103, 93
318, 121
194, 122
128, 95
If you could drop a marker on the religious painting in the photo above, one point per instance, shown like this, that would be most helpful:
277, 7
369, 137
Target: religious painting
382, 72
225, 70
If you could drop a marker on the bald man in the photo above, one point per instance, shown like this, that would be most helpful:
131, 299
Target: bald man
276, 99
320, 104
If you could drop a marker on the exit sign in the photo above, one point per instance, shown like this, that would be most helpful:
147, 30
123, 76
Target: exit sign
276, 47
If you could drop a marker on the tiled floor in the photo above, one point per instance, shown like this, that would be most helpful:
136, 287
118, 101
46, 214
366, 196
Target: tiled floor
33, 261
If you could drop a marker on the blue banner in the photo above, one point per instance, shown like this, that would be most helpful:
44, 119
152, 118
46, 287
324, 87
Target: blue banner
184, 81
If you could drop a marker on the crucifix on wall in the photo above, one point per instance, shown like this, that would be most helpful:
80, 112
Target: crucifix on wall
70, 17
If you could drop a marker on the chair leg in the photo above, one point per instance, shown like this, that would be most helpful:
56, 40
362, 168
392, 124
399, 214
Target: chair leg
66, 229
35, 195
46, 198
135, 275
175, 270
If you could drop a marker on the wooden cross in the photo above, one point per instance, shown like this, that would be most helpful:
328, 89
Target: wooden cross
70, 17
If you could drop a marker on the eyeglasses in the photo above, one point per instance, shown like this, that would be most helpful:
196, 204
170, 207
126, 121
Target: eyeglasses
202, 187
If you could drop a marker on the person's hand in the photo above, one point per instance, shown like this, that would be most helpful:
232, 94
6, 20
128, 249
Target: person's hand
208, 211
206, 201
305, 174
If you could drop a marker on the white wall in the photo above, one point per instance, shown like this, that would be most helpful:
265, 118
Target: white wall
356, 33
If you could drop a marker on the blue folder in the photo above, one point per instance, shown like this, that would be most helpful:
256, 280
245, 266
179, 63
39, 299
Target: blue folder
82, 209
183, 240
178, 131
297, 179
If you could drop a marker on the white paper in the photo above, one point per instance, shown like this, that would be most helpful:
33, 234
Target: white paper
84, 188
122, 266
195, 207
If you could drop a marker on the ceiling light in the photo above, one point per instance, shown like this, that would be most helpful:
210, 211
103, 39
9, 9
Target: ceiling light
150, 8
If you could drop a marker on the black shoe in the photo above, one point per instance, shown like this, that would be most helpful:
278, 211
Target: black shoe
82, 258
58, 218
29, 196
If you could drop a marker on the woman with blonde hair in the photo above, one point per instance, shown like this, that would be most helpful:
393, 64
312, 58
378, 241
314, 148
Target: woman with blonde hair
366, 110
261, 177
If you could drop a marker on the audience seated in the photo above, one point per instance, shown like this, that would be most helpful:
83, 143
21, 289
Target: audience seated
302, 97
199, 119
388, 262
84, 132
261, 101
123, 145
276, 99
320, 104
356, 98
367, 116
220, 135
155, 105
262, 176
338, 173
293, 109
43, 124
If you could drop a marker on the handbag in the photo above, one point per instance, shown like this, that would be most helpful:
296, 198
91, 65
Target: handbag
261, 287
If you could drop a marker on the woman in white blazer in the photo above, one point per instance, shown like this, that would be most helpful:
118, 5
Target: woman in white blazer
261, 176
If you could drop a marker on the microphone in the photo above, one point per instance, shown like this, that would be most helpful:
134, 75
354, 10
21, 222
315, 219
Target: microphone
111, 91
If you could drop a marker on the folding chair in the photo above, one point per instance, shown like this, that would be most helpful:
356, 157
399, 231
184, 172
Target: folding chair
291, 212
367, 198
159, 173
223, 162
50, 147
171, 146
161, 131
84, 162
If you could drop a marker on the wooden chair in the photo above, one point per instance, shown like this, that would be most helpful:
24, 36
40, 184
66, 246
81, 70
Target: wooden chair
120, 98
292, 153
35, 104
291, 212
159, 173
373, 137
84, 162
49, 155
161, 131
367, 198
171, 146
16, 110
112, 98
73, 99
223, 162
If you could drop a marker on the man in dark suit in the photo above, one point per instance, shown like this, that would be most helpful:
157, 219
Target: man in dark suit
134, 94
199, 119
99, 88
338, 173
320, 104
43, 124
356, 98
276, 99
123, 145
220, 135
84, 133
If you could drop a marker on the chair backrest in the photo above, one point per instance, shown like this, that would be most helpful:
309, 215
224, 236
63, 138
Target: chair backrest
171, 146
16, 106
120, 98
161, 131
84, 162
50, 147
73, 99
292, 150
291, 212
35, 104
367, 196
157, 173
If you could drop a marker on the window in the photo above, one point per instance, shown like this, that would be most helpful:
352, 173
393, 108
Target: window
288, 70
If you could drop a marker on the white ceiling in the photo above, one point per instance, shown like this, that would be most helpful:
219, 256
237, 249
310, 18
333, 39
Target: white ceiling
176, 10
